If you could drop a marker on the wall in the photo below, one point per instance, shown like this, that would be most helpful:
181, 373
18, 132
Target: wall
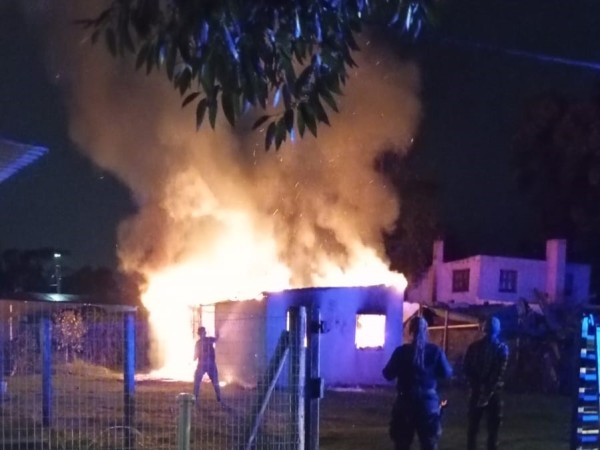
444, 280
341, 362
531, 274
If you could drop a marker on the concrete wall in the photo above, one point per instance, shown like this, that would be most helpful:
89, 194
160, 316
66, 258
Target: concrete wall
444, 280
341, 362
531, 274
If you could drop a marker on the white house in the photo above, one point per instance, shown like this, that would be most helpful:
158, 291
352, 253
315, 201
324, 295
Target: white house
483, 279
362, 327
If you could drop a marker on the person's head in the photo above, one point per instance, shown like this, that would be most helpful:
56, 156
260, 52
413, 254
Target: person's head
417, 328
202, 332
491, 327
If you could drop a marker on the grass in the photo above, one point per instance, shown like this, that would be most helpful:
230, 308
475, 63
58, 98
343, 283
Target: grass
88, 415
360, 420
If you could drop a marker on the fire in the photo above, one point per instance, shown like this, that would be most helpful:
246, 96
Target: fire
174, 292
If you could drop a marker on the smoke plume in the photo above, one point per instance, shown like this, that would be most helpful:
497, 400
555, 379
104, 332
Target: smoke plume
215, 197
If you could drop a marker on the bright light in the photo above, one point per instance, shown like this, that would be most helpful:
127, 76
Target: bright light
57, 255
370, 330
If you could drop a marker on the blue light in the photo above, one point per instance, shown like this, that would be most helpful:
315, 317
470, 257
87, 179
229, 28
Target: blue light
14, 157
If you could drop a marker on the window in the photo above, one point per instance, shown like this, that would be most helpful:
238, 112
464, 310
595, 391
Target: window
460, 280
370, 331
508, 281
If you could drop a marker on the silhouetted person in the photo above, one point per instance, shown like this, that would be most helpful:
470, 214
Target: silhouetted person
204, 353
417, 367
484, 365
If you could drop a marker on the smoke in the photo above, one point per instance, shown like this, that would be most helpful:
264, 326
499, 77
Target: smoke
215, 196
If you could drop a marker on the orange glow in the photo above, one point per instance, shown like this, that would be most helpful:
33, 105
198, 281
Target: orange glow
370, 330
237, 272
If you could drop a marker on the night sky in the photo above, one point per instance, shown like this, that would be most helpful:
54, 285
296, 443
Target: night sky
473, 99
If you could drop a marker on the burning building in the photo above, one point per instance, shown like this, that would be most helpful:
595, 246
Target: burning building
360, 328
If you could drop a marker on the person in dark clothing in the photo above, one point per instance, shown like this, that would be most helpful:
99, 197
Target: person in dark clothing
484, 365
204, 353
416, 367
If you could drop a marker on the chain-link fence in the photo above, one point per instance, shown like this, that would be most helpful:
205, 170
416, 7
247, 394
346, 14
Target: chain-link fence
69, 383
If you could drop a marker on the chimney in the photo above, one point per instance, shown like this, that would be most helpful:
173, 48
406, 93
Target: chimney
556, 261
436, 267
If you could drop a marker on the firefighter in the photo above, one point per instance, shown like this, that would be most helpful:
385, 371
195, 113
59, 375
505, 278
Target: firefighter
204, 353
416, 367
484, 365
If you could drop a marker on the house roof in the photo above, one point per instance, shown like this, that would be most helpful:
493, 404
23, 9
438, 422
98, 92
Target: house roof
15, 156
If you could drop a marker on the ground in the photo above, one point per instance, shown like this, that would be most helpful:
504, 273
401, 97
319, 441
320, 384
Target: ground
88, 414
358, 420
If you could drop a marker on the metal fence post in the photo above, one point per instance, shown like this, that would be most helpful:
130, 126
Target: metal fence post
46, 348
314, 382
298, 372
185, 419
129, 377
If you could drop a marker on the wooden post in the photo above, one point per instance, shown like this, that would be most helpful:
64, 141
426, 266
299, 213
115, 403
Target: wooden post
445, 341
314, 381
297, 366
46, 349
129, 377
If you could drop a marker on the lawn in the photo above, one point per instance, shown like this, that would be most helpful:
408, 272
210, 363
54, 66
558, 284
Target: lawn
88, 415
359, 420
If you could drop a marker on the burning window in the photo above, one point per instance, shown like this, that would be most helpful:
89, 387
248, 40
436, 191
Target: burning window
370, 331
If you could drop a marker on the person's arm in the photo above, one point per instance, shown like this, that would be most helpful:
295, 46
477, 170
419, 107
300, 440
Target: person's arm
443, 369
498, 375
390, 371
197, 350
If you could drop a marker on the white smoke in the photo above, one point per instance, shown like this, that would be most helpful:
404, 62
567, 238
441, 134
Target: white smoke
309, 206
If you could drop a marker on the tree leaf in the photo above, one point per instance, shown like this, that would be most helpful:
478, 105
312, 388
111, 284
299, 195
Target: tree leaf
309, 118
262, 119
327, 96
228, 107
111, 41
280, 133
318, 109
269, 135
171, 60
200, 112
288, 118
300, 123
141, 56
189, 98
213, 107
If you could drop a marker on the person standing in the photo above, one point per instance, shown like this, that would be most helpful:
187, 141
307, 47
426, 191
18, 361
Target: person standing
484, 365
204, 354
416, 367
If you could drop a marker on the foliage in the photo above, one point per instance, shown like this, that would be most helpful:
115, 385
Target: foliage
243, 54
69, 332
557, 155
26, 270
557, 159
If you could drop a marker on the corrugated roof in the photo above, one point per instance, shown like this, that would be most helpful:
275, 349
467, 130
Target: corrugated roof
15, 156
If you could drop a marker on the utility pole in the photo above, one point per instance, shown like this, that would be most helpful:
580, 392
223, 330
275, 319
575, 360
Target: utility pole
57, 272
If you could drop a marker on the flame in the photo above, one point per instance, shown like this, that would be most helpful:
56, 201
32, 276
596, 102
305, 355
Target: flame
174, 292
